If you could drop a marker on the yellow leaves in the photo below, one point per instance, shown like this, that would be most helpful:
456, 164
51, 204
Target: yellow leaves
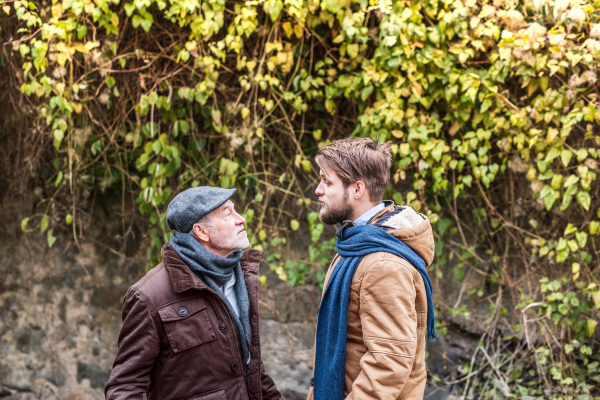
596, 298
64, 52
287, 28
417, 89
406, 13
581, 154
57, 10
404, 149
284, 59
306, 166
398, 134
591, 326
552, 134
297, 30
487, 11
294, 224
575, 268
270, 46
531, 173
281, 274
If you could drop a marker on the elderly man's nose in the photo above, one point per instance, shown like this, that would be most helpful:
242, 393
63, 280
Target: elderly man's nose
241, 219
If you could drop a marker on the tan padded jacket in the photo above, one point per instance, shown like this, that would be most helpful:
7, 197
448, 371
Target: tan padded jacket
387, 318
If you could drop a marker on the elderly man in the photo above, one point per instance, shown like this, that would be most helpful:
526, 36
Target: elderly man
190, 326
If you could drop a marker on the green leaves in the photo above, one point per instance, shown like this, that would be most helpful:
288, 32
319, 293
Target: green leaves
584, 200
565, 157
570, 229
581, 239
50, 238
549, 196
571, 180
594, 227
44, 224
246, 93
366, 92
129, 8
145, 20
273, 8
352, 50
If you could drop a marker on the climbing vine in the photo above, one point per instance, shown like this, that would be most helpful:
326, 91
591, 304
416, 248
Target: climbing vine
491, 107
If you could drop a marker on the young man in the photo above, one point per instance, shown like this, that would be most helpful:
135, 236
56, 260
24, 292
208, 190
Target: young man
376, 304
190, 326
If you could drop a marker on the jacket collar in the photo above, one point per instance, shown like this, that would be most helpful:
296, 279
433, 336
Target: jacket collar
182, 278
389, 206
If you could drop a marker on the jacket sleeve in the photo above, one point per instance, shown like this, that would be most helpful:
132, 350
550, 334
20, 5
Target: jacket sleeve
389, 322
138, 347
269, 391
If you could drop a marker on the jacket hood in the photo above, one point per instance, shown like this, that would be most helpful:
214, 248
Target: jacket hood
409, 226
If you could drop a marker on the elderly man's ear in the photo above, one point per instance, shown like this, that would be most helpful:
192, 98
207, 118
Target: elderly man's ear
201, 232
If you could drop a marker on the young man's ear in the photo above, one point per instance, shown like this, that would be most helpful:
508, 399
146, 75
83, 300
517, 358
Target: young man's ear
359, 190
201, 232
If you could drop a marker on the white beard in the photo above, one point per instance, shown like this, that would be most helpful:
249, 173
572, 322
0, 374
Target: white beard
228, 244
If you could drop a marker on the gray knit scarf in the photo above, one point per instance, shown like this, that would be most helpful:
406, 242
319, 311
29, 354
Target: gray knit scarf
211, 268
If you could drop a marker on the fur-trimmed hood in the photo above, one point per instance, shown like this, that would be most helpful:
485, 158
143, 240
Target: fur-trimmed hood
411, 227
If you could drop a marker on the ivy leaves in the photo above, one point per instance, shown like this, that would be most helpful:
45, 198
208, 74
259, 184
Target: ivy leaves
461, 90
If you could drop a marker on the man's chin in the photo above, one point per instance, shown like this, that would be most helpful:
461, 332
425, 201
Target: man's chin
244, 243
332, 218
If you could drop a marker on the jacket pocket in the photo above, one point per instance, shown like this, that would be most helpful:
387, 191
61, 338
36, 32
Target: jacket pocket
186, 323
218, 394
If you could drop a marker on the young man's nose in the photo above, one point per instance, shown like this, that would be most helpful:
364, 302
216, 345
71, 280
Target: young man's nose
319, 190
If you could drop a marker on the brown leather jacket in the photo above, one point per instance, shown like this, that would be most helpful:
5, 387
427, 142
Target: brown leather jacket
179, 341
387, 318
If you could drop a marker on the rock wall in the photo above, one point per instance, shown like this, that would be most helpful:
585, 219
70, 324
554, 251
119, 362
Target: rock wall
61, 312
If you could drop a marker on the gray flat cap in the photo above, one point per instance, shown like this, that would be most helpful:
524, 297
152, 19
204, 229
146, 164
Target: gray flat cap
192, 204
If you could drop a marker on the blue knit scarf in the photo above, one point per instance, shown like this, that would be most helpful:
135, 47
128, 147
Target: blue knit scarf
353, 244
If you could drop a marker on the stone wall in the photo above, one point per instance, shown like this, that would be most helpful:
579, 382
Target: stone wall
61, 312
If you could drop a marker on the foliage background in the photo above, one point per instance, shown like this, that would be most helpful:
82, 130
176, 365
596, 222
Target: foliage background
491, 106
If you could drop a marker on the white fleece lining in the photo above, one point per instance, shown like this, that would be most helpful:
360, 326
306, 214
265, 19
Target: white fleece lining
405, 219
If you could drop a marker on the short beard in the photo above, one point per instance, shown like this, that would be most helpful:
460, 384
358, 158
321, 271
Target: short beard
232, 244
336, 215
